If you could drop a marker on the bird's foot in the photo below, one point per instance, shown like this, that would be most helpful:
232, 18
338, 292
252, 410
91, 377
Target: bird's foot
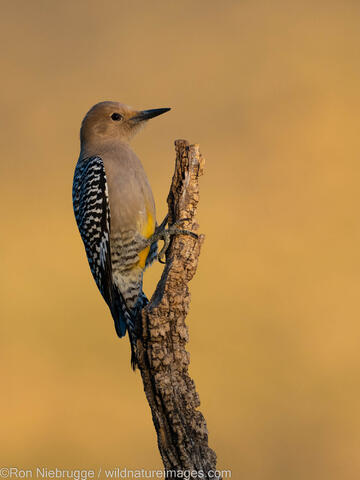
165, 234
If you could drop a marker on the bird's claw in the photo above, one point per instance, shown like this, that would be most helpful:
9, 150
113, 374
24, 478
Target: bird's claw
165, 234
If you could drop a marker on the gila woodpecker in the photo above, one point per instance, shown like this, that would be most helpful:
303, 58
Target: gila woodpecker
115, 210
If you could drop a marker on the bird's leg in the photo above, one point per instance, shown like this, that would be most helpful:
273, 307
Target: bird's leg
165, 234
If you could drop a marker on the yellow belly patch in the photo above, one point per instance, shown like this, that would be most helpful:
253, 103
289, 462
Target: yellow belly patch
147, 231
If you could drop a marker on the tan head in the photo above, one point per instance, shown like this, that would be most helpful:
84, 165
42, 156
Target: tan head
114, 121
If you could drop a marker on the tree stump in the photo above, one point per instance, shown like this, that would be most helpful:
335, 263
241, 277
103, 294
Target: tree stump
162, 358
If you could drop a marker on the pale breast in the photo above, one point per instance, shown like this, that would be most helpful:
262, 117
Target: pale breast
132, 205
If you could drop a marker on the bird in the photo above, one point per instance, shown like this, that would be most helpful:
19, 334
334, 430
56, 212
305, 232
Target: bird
115, 211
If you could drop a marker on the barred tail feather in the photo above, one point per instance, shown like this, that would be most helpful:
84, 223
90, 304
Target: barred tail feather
125, 320
136, 316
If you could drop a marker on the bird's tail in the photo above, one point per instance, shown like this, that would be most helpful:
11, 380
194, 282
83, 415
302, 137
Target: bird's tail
124, 320
129, 320
133, 347
137, 325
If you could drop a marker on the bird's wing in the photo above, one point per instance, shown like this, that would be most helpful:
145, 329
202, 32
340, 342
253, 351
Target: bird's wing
92, 213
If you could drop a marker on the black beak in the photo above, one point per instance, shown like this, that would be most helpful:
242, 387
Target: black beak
147, 114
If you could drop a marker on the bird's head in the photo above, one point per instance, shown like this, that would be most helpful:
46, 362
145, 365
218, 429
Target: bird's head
112, 121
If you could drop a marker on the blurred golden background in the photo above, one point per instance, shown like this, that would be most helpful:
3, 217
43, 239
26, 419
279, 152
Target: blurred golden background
270, 91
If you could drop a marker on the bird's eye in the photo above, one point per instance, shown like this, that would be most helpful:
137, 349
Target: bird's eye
116, 117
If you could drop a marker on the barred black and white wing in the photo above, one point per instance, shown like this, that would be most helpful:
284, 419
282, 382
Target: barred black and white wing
92, 213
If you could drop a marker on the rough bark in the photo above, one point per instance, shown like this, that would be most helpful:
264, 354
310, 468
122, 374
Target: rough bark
163, 360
